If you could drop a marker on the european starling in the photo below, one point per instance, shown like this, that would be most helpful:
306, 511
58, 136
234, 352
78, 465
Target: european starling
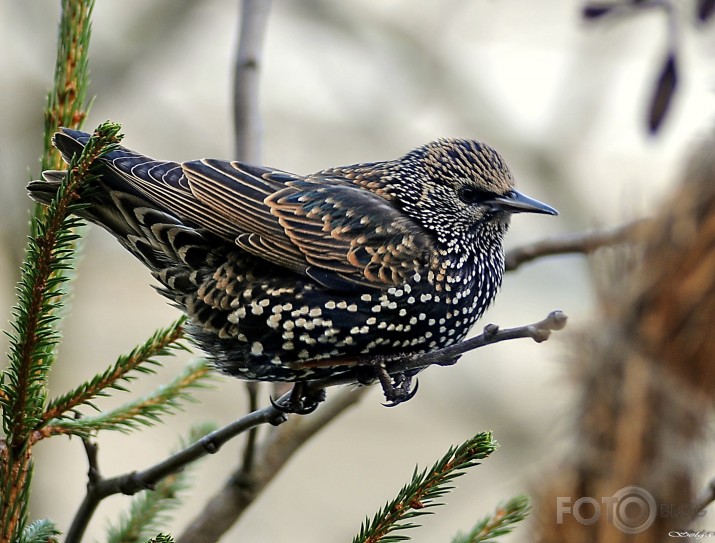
298, 278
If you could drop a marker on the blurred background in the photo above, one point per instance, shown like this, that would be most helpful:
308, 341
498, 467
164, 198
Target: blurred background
344, 82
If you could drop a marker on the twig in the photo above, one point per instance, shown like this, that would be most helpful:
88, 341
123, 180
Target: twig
249, 452
577, 242
133, 482
538, 331
91, 450
248, 129
247, 117
239, 491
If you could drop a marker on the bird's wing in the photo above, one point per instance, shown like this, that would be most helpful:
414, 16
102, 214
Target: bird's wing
322, 226
336, 233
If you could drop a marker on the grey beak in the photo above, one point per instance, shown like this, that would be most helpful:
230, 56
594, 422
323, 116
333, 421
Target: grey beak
516, 202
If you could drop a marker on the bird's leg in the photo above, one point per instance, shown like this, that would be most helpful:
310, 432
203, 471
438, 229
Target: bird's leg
301, 401
397, 387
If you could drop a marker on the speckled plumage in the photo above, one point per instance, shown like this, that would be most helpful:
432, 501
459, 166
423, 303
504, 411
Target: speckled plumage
294, 278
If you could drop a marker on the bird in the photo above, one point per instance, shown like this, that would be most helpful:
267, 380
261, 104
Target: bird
306, 278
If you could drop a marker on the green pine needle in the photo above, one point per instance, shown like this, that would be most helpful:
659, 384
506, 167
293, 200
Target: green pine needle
145, 411
67, 104
48, 258
141, 359
40, 531
149, 510
502, 522
161, 538
49, 253
424, 490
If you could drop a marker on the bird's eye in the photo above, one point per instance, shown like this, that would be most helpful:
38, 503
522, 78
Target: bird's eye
472, 195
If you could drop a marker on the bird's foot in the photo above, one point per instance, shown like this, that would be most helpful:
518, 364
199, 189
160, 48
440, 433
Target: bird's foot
301, 401
396, 387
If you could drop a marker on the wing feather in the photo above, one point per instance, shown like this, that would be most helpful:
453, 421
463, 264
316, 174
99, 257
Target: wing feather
322, 226
333, 231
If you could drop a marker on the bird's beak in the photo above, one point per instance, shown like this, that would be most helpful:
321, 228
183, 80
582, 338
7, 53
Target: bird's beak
516, 202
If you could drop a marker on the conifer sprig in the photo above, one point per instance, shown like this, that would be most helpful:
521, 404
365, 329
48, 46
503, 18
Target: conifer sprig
67, 102
144, 411
49, 254
141, 359
423, 491
502, 522
161, 538
40, 531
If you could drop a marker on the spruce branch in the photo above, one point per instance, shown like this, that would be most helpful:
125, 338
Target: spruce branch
149, 510
424, 490
502, 522
40, 531
161, 538
15, 476
39, 294
23, 384
67, 102
140, 359
144, 411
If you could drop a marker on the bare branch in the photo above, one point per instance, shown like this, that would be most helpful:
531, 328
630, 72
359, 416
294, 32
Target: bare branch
249, 451
539, 331
242, 487
133, 482
247, 117
577, 242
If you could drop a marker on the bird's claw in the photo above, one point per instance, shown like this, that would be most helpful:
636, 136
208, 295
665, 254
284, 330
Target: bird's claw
397, 387
300, 402
401, 393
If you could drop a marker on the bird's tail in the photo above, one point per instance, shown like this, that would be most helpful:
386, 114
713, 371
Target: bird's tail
69, 143
159, 239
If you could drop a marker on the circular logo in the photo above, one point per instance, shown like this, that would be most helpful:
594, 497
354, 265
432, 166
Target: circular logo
634, 509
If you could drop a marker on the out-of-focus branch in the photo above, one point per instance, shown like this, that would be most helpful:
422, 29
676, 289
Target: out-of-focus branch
704, 499
666, 82
248, 129
243, 487
577, 242
647, 377
248, 125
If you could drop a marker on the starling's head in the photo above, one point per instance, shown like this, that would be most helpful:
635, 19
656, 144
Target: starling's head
459, 187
